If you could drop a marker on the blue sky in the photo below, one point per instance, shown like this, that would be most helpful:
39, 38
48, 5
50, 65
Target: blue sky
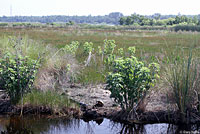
97, 7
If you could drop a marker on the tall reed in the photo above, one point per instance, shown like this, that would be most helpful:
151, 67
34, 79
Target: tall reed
183, 77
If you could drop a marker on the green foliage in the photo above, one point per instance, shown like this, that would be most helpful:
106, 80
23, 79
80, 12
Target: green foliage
109, 46
50, 99
99, 50
131, 50
3, 24
183, 77
17, 75
112, 18
110, 60
187, 28
72, 48
70, 23
87, 47
121, 51
155, 20
130, 80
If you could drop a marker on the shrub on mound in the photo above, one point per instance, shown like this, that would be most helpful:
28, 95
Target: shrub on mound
17, 74
129, 81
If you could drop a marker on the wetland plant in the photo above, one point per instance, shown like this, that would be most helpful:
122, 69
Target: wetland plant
183, 77
17, 75
130, 80
87, 47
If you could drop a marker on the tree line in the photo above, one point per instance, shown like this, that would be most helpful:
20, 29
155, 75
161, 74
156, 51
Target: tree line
159, 20
112, 18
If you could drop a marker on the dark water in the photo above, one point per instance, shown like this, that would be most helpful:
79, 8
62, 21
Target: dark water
36, 125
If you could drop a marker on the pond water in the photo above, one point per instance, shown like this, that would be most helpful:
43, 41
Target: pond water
36, 125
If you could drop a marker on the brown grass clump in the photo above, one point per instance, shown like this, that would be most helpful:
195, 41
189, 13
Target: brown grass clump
58, 72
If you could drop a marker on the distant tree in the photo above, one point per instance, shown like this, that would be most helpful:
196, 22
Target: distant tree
195, 20
136, 18
71, 22
177, 20
170, 21
152, 22
129, 20
198, 22
157, 16
122, 21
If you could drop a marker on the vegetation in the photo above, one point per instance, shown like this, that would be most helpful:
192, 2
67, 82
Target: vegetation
140, 20
130, 80
17, 71
72, 47
150, 46
187, 28
50, 99
87, 47
111, 18
183, 77
17, 75
112, 50
21, 59
131, 50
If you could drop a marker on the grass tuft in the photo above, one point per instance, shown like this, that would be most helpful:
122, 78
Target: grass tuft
183, 77
49, 98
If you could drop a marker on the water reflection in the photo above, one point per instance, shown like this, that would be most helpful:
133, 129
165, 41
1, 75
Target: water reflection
36, 125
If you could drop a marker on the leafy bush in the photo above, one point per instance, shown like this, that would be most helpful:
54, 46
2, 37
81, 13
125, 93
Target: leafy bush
71, 48
110, 60
17, 75
130, 80
121, 51
87, 47
131, 50
109, 46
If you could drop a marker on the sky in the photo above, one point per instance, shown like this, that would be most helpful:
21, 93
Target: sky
97, 7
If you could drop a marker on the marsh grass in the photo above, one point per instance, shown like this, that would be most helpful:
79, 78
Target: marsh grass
150, 43
54, 69
182, 75
49, 98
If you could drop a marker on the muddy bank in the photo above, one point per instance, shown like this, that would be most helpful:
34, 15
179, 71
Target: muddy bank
147, 117
158, 108
95, 104
6, 108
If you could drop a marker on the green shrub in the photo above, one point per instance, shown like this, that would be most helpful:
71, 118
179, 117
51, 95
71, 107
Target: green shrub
109, 60
130, 80
109, 46
72, 48
131, 50
87, 47
120, 51
17, 75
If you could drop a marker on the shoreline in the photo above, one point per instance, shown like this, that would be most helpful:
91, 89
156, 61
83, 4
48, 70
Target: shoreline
91, 110
98, 113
